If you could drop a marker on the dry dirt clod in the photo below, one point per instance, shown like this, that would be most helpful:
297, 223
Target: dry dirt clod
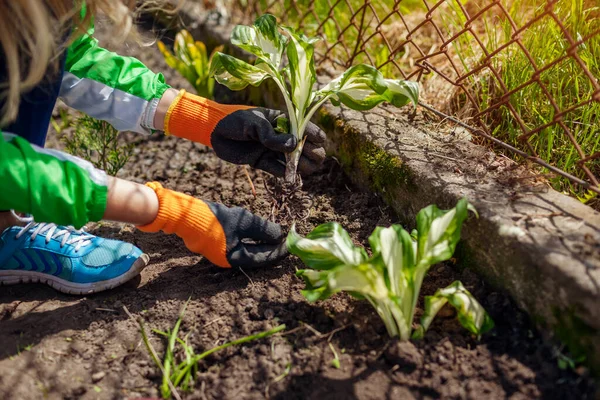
403, 354
98, 376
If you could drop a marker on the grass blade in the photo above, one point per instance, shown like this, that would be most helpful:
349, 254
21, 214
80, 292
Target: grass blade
185, 367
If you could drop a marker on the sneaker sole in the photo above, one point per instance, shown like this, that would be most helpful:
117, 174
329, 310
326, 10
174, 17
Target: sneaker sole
16, 277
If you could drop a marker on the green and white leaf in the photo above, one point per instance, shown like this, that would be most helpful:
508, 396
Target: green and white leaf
197, 52
362, 87
362, 279
301, 70
236, 74
395, 247
470, 313
180, 46
262, 39
439, 232
326, 247
391, 278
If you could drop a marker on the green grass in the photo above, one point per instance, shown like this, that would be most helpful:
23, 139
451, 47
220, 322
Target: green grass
566, 81
567, 84
181, 374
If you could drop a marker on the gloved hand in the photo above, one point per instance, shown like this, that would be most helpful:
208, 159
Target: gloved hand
218, 232
242, 134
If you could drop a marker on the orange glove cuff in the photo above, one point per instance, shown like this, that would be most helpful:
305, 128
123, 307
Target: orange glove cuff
194, 118
192, 220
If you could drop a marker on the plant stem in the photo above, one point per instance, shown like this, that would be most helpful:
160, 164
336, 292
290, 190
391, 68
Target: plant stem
291, 165
293, 158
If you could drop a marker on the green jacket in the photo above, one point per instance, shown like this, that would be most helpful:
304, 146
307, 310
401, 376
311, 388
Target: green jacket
57, 187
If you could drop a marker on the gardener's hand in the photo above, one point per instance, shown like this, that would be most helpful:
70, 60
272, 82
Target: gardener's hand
242, 134
228, 237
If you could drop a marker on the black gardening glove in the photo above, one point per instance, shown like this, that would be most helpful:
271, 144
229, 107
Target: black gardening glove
248, 136
252, 241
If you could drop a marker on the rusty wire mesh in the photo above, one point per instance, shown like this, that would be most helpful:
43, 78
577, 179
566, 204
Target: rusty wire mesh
463, 53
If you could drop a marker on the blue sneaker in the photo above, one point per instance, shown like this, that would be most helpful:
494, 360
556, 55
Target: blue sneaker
69, 260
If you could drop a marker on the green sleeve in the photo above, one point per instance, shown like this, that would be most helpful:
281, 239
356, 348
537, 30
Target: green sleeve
49, 184
117, 89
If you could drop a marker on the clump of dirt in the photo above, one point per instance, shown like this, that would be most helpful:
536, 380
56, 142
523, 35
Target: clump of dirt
57, 346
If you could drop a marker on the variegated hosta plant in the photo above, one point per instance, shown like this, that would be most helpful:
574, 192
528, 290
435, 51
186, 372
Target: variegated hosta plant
361, 87
390, 279
192, 61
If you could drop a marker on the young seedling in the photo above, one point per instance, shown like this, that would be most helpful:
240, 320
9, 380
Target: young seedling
191, 60
361, 87
391, 278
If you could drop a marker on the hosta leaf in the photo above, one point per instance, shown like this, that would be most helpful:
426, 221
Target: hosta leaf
168, 56
316, 284
202, 50
262, 39
326, 247
300, 51
362, 87
395, 247
439, 232
185, 69
218, 49
200, 58
180, 47
471, 314
199, 62
362, 279
234, 73
282, 125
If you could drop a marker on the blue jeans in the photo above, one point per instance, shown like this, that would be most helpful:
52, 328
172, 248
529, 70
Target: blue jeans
35, 109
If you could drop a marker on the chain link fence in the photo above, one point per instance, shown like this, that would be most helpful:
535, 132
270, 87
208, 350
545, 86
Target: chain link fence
521, 73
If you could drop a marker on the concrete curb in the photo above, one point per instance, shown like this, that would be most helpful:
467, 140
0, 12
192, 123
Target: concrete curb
540, 246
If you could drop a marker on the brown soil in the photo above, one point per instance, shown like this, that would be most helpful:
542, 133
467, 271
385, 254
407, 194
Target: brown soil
56, 346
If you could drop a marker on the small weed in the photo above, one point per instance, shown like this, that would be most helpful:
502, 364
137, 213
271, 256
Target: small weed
336, 359
566, 361
279, 378
21, 348
181, 374
98, 142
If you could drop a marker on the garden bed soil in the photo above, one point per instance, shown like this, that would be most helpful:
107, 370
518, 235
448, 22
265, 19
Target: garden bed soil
56, 346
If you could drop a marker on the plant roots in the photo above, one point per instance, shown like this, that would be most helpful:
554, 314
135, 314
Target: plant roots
289, 202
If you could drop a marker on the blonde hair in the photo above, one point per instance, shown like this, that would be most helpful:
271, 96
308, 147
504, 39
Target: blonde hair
31, 32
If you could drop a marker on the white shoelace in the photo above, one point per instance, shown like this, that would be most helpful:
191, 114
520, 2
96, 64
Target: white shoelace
53, 232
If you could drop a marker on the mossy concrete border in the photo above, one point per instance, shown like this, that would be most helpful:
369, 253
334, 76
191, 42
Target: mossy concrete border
540, 246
